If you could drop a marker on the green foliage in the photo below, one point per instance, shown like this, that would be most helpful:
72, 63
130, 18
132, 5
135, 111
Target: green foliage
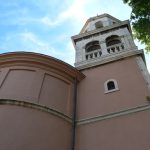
140, 19
148, 98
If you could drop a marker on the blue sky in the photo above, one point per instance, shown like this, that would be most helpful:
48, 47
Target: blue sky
45, 26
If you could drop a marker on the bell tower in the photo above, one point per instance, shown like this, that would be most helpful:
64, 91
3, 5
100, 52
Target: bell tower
102, 39
112, 109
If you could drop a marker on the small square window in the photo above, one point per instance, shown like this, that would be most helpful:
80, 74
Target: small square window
110, 86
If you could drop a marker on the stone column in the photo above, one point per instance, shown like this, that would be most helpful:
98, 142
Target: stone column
103, 48
125, 42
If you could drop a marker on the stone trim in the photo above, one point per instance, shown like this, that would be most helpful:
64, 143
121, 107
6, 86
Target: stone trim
40, 61
36, 106
107, 59
113, 115
117, 25
144, 71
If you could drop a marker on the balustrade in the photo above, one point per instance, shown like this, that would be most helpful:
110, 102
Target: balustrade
115, 48
93, 54
98, 53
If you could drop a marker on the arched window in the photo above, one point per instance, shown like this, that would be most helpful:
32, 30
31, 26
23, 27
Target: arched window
91, 46
98, 24
110, 86
112, 40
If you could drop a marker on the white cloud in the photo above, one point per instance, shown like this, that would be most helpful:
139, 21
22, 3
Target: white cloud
28, 41
75, 12
74, 17
35, 44
69, 53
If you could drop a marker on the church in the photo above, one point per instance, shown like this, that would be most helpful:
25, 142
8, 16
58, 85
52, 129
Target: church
103, 103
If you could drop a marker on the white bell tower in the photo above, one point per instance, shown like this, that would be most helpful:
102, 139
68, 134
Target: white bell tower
103, 39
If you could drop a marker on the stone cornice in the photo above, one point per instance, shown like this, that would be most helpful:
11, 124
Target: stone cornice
36, 106
39, 60
107, 59
117, 25
113, 114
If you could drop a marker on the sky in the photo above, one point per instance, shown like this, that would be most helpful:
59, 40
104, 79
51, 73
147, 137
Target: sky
46, 26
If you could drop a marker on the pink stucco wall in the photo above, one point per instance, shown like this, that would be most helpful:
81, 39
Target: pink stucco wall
93, 101
130, 132
38, 86
36, 102
48, 85
31, 129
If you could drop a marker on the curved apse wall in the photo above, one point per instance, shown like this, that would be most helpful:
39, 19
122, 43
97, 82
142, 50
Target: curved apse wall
36, 102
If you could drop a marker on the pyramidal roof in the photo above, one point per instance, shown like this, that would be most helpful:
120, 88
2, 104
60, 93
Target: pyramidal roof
103, 18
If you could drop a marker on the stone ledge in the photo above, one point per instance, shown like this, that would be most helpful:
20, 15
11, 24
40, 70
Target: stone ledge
114, 114
107, 59
36, 106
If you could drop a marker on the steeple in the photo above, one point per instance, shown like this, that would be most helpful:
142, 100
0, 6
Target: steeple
103, 38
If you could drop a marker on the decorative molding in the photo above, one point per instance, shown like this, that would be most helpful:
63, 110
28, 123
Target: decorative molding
40, 61
113, 115
4, 73
36, 106
107, 59
117, 25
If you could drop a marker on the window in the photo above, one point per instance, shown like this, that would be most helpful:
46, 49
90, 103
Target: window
91, 46
114, 44
112, 40
98, 25
92, 50
110, 86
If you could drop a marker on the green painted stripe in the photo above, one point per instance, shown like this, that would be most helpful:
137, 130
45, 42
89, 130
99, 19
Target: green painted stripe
114, 114
35, 106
